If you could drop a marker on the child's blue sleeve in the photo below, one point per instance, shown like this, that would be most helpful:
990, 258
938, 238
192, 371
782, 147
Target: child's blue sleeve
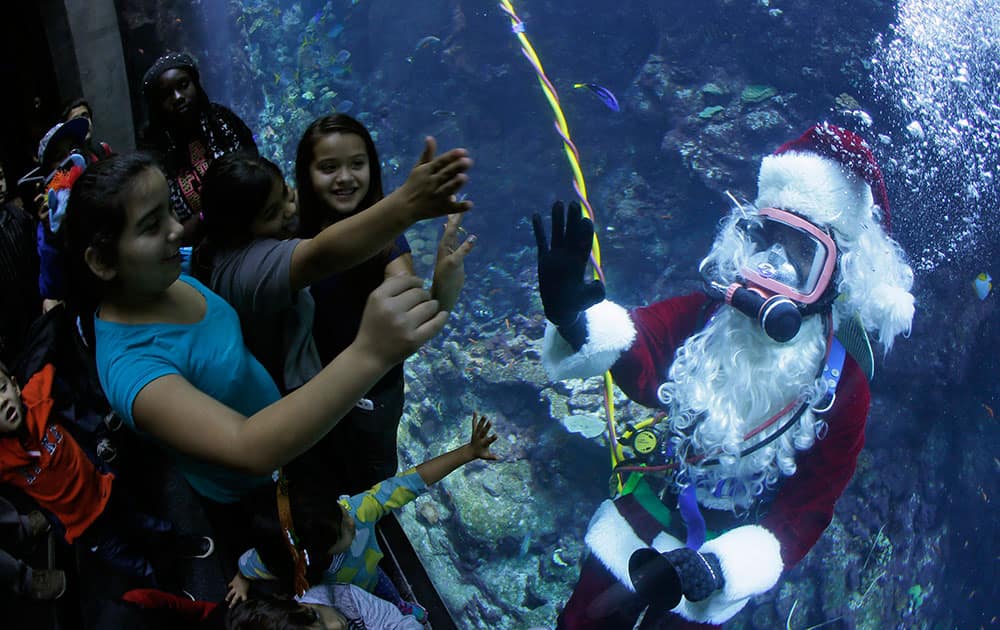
391, 494
253, 568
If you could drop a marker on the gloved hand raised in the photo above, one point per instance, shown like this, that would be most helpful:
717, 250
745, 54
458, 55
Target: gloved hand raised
561, 268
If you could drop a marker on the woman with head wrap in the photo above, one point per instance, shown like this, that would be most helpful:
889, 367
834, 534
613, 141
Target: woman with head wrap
188, 131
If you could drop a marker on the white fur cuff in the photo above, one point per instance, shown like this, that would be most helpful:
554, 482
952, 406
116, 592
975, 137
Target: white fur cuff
751, 564
610, 332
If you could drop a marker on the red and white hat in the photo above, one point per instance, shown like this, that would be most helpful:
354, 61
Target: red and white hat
828, 175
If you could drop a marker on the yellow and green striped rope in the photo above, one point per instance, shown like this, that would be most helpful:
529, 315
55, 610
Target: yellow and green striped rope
580, 186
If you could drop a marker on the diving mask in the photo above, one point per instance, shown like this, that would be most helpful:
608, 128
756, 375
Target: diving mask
792, 257
787, 275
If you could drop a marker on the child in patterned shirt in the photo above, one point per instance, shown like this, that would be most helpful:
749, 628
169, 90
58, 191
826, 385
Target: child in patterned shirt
336, 543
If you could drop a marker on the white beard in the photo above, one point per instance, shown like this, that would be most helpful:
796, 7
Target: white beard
727, 380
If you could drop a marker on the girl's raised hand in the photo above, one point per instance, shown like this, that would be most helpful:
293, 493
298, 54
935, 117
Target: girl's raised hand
481, 438
399, 317
449, 268
430, 189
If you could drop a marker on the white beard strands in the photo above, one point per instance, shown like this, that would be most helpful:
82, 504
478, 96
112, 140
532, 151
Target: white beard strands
729, 378
714, 396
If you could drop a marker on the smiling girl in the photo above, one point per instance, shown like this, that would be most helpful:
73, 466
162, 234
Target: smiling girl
170, 354
249, 213
340, 178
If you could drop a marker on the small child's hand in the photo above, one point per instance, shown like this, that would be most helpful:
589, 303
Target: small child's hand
238, 589
449, 269
481, 438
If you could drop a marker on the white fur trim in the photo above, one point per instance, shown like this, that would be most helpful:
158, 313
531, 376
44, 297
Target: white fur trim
613, 541
815, 187
610, 332
750, 557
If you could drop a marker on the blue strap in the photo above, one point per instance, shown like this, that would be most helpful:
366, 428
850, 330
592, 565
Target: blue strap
832, 372
687, 503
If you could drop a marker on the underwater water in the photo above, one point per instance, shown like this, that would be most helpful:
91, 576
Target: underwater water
702, 92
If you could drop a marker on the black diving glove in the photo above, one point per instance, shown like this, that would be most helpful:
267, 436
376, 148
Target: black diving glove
561, 268
661, 579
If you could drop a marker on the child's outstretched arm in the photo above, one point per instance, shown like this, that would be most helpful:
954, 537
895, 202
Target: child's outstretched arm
449, 270
428, 192
434, 470
398, 318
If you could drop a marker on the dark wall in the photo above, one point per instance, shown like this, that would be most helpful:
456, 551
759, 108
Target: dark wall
32, 100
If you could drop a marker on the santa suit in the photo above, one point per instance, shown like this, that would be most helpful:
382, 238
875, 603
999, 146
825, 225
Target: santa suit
639, 347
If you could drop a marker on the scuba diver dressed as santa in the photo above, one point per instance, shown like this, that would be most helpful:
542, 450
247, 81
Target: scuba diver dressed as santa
762, 381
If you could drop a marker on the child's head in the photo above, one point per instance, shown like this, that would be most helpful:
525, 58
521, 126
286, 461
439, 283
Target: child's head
121, 235
173, 91
337, 170
11, 408
77, 108
244, 196
323, 528
283, 614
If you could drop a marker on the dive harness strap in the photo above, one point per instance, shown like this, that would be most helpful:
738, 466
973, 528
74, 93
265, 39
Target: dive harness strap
832, 371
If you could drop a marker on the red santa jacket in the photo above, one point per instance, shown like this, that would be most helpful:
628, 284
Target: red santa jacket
803, 505
639, 347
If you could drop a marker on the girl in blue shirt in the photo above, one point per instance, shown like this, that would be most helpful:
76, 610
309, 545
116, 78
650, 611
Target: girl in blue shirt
170, 353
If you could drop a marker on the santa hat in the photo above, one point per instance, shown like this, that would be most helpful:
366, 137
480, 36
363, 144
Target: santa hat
829, 176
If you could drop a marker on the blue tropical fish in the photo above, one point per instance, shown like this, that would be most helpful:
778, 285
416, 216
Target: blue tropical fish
982, 285
602, 93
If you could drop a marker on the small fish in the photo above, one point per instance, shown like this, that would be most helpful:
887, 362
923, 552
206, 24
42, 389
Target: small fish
525, 545
345, 106
989, 410
277, 78
443, 113
982, 285
424, 42
507, 322
602, 93
342, 57
178, 21
334, 31
557, 558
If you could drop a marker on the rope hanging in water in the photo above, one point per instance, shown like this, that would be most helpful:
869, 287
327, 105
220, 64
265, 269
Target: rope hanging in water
580, 186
